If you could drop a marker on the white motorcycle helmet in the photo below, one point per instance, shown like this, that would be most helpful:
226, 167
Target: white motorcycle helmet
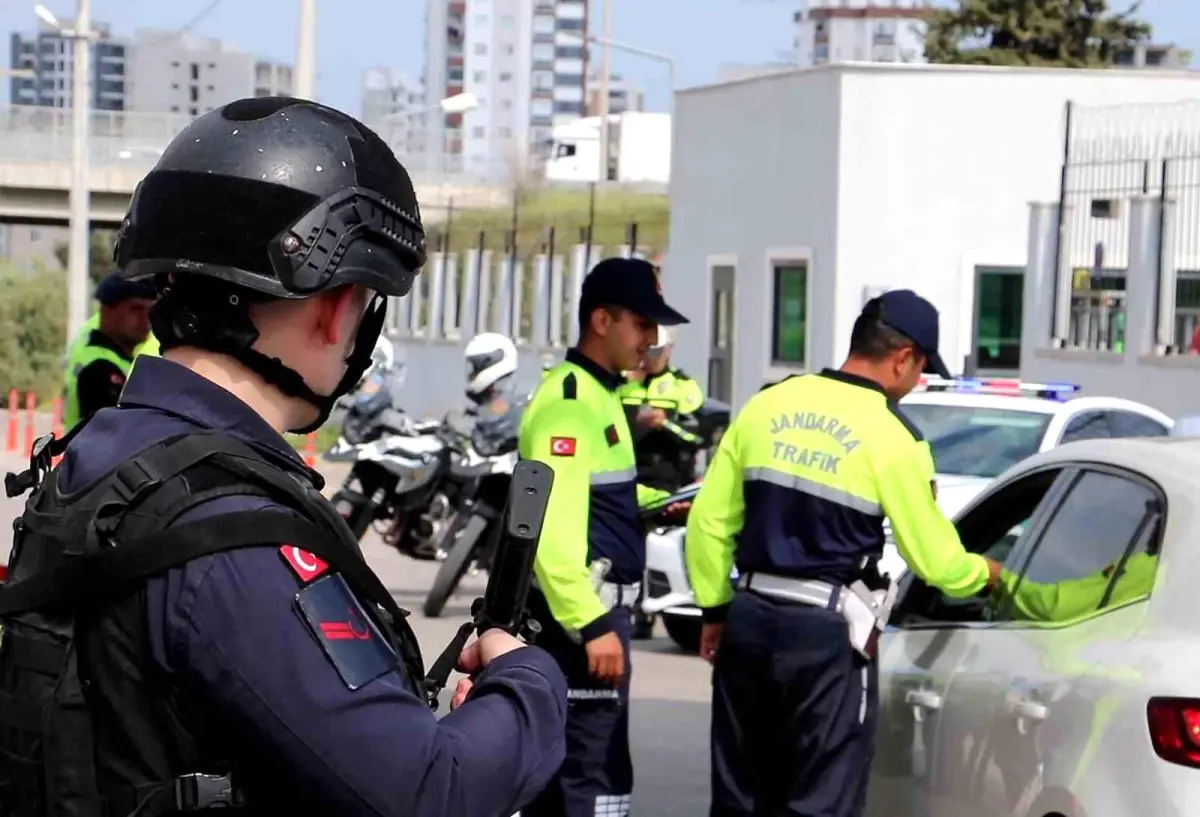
490, 357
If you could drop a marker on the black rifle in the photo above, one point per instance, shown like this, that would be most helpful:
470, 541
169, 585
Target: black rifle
503, 603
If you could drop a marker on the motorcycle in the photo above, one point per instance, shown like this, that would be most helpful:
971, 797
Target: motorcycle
370, 413
469, 543
399, 485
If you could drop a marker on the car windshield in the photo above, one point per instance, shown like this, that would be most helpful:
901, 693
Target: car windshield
977, 442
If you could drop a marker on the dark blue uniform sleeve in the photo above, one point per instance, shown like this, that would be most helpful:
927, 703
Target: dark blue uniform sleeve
228, 626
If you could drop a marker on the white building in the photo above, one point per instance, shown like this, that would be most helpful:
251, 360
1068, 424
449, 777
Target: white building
860, 31
185, 73
394, 105
797, 196
525, 62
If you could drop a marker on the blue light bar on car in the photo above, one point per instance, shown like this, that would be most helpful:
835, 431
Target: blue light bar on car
1000, 386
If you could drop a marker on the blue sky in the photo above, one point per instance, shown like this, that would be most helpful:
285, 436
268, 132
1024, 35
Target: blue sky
356, 34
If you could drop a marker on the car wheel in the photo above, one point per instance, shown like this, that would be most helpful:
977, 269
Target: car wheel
684, 631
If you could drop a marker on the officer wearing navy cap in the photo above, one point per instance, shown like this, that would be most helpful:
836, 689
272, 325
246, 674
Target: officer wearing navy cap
99, 361
592, 553
796, 497
189, 626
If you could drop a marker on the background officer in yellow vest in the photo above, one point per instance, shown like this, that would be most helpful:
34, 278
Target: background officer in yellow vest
659, 399
592, 552
797, 495
98, 364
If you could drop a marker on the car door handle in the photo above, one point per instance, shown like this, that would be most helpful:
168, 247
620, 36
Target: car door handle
1029, 709
923, 699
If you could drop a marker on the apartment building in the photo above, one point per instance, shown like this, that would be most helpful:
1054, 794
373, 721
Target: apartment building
524, 60
181, 72
394, 106
861, 31
623, 94
50, 56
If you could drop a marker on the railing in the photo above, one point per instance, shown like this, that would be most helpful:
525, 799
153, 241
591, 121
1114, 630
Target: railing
34, 134
1098, 320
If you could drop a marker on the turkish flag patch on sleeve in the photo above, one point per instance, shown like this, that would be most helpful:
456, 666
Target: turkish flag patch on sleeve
562, 446
303, 563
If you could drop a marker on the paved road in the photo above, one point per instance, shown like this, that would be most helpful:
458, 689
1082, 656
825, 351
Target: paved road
670, 690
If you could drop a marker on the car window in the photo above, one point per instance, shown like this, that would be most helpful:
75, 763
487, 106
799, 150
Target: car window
994, 527
1087, 425
975, 441
1132, 424
1101, 531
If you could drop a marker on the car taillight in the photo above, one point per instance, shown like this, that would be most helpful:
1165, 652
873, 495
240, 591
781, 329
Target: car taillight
1175, 729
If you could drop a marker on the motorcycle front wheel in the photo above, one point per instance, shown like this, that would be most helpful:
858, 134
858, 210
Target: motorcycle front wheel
459, 552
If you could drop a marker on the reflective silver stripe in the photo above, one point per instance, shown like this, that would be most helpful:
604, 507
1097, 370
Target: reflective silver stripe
614, 477
803, 591
817, 489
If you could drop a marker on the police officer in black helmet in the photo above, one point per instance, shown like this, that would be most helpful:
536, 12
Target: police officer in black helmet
187, 625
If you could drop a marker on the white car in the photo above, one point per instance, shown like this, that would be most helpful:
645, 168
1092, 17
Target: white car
1076, 691
977, 428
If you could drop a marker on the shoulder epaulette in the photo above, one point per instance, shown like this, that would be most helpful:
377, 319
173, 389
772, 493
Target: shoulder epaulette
570, 387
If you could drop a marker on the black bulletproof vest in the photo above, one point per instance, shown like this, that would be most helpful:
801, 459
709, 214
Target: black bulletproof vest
89, 727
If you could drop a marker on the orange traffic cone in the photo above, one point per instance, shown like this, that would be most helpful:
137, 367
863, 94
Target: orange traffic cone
12, 446
310, 450
30, 407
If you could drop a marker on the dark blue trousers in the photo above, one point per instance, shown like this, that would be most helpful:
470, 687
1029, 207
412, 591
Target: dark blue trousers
596, 778
793, 714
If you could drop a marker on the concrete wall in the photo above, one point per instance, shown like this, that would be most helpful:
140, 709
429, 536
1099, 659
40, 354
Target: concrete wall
753, 174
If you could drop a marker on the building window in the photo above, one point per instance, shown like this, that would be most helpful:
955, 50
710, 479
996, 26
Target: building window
999, 298
508, 21
569, 52
480, 49
509, 50
542, 52
479, 76
570, 25
478, 132
821, 53
505, 76
194, 93
568, 107
506, 104
788, 322
543, 25
195, 71
506, 133
543, 80
541, 107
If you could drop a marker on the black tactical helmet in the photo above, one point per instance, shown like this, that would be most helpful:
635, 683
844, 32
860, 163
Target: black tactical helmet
278, 195
271, 198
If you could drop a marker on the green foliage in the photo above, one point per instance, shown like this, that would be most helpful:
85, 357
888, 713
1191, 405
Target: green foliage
1062, 33
567, 211
33, 329
327, 435
100, 254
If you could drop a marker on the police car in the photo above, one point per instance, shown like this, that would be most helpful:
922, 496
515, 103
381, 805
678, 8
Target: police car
976, 427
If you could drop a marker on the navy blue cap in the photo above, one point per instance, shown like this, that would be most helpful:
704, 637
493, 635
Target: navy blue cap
915, 318
630, 283
114, 289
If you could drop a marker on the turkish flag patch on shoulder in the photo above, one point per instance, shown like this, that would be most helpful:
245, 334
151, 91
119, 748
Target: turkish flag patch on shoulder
303, 563
562, 446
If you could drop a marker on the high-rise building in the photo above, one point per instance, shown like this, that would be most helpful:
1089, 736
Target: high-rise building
1149, 55
524, 60
180, 72
861, 31
623, 94
50, 56
394, 106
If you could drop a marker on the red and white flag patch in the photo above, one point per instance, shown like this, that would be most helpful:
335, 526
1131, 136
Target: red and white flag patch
303, 563
562, 446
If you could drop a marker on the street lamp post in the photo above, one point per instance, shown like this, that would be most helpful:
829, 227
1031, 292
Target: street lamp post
641, 52
306, 56
605, 41
78, 252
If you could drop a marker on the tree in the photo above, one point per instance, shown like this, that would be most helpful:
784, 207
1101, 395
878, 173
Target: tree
100, 254
1063, 33
33, 326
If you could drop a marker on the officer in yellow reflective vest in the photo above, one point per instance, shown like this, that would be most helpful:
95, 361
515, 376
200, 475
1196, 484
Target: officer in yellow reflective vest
658, 400
797, 495
98, 362
592, 551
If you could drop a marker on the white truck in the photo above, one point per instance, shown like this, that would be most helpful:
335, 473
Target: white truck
639, 149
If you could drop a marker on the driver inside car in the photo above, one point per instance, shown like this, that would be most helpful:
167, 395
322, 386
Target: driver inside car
1074, 598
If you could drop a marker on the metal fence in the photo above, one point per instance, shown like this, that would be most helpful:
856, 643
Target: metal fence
1113, 154
533, 298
